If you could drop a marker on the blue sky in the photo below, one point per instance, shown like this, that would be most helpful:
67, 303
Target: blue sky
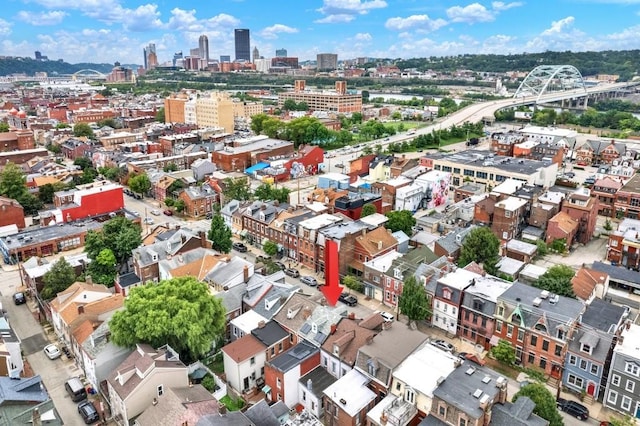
117, 30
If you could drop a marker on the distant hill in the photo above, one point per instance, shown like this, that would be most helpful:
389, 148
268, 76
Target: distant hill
30, 66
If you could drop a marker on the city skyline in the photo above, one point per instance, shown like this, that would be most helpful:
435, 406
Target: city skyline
118, 30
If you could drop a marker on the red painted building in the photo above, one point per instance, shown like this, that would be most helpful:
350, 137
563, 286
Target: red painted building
12, 213
90, 200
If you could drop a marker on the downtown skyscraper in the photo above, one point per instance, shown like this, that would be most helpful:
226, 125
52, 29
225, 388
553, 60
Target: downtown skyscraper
243, 45
203, 48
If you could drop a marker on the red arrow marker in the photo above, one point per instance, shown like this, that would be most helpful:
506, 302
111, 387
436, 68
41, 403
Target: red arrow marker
332, 289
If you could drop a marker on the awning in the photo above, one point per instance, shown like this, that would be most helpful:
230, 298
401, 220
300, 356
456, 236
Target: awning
244, 233
266, 389
494, 340
256, 167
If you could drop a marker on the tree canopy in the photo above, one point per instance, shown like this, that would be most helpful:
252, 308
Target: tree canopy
13, 184
504, 352
544, 400
83, 129
236, 189
180, 312
103, 268
140, 183
557, 280
368, 209
414, 302
220, 234
119, 235
482, 246
266, 192
270, 248
57, 279
400, 220
353, 283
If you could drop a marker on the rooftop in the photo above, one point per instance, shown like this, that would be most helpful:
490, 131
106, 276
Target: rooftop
350, 393
630, 345
412, 371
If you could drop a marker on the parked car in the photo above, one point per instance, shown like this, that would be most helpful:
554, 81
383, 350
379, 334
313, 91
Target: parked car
168, 212
262, 259
52, 351
240, 247
19, 299
573, 408
309, 280
280, 265
148, 220
292, 272
339, 165
209, 216
348, 299
441, 344
155, 212
388, 317
88, 412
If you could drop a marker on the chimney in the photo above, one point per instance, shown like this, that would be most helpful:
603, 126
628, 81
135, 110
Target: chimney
155, 401
245, 272
261, 324
203, 239
306, 313
352, 315
333, 328
80, 310
310, 384
88, 279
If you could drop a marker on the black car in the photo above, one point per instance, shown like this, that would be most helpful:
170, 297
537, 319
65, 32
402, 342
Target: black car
239, 247
280, 265
19, 299
573, 408
88, 412
348, 299
292, 272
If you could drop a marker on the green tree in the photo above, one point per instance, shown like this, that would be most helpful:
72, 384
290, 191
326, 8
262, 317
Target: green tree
83, 162
57, 279
220, 234
160, 115
171, 167
557, 280
504, 352
559, 245
482, 246
109, 122
83, 129
45, 193
119, 235
4, 127
270, 248
180, 312
236, 189
13, 184
414, 302
368, 209
179, 205
111, 173
103, 268
140, 183
400, 220
544, 400
290, 105
607, 225
353, 283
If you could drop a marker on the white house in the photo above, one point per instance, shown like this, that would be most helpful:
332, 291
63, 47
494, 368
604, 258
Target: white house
244, 361
11, 364
99, 356
448, 298
310, 390
243, 324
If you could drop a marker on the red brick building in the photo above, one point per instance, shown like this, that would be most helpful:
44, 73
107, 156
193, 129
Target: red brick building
605, 191
12, 213
583, 208
282, 373
627, 203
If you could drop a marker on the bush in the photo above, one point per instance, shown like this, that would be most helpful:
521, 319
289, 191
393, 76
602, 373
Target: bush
209, 383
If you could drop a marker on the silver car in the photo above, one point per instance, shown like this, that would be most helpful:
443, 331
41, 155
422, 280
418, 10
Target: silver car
308, 280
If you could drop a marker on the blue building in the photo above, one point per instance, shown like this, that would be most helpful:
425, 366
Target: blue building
589, 350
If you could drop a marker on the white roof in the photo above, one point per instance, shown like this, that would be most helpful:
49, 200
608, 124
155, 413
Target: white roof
630, 345
554, 197
400, 180
383, 263
550, 131
512, 203
375, 219
509, 186
320, 221
422, 369
459, 279
488, 287
352, 389
248, 321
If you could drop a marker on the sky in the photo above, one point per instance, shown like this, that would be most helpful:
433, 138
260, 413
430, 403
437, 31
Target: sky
106, 31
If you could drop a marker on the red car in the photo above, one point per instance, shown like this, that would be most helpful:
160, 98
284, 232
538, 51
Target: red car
168, 212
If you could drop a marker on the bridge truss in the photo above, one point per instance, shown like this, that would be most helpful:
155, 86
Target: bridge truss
550, 78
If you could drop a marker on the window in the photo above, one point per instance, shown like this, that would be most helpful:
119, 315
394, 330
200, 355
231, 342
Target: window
499, 326
509, 330
632, 368
532, 358
501, 311
558, 350
585, 348
442, 410
543, 363
160, 390
575, 380
615, 380
545, 345
626, 403
520, 335
304, 396
398, 386
273, 351
462, 422
573, 360
630, 386
594, 369
410, 396
534, 340
280, 347
252, 361
613, 397
278, 383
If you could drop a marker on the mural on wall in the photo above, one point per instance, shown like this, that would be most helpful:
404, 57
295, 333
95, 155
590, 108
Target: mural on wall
437, 192
297, 170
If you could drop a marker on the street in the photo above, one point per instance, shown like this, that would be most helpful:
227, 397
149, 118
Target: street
54, 373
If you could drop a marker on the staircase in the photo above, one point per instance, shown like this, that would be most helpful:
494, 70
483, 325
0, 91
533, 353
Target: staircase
588, 399
553, 382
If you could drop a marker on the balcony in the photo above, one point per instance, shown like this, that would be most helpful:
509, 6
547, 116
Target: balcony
399, 412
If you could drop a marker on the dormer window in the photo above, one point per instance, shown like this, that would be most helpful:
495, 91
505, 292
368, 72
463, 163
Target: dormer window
397, 273
500, 311
446, 293
516, 318
336, 350
314, 328
586, 348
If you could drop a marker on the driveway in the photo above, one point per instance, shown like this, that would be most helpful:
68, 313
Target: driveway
594, 251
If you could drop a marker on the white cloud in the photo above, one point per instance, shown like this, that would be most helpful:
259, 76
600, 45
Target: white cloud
273, 31
500, 6
470, 14
340, 11
558, 27
5, 28
43, 18
363, 37
420, 22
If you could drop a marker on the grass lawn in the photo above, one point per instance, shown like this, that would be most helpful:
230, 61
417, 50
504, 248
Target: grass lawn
216, 364
232, 404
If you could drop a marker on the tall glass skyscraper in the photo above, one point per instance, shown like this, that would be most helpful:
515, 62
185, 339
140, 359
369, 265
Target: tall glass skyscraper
243, 48
203, 47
